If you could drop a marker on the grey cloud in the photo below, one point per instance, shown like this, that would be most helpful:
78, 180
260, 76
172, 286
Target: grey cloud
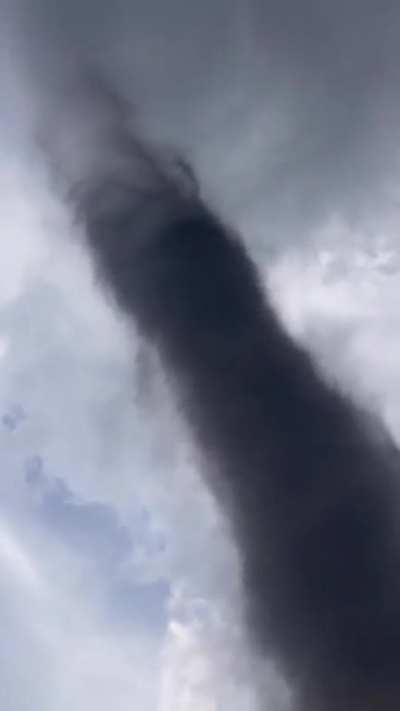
98, 417
307, 479
288, 110
313, 89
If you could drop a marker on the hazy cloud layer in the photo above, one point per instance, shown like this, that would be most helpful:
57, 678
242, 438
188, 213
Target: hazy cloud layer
289, 112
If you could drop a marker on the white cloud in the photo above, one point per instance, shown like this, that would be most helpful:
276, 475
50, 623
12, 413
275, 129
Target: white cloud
341, 301
15, 559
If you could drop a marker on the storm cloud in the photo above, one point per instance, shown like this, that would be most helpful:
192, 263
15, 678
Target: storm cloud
308, 481
289, 114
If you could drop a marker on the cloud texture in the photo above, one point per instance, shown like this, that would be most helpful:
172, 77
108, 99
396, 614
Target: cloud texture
308, 480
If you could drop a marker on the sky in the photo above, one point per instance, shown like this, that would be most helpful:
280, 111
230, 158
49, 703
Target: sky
289, 115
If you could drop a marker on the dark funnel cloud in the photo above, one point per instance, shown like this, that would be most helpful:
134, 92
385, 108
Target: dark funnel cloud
309, 482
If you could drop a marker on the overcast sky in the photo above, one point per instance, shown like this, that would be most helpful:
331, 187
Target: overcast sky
119, 582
